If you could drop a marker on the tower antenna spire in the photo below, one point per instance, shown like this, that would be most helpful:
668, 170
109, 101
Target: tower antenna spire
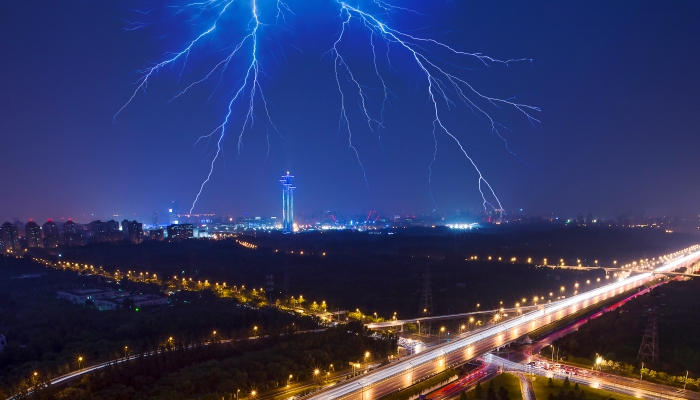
287, 203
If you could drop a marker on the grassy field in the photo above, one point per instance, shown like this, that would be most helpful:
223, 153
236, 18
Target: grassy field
511, 383
419, 387
508, 381
542, 391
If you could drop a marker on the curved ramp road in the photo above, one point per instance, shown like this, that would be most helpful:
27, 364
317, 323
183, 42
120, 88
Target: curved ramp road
525, 386
404, 373
67, 378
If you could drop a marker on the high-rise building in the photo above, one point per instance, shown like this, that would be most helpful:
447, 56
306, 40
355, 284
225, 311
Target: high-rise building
20, 227
287, 203
71, 236
174, 213
96, 228
9, 237
132, 231
70, 228
105, 231
111, 226
51, 235
180, 232
125, 228
33, 234
155, 234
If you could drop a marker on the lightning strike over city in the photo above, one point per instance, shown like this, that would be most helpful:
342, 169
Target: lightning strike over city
349, 200
238, 71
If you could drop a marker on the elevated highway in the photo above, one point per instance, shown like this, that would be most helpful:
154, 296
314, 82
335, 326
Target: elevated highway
401, 322
407, 371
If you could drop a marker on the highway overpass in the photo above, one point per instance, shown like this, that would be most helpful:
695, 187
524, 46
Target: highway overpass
401, 322
407, 371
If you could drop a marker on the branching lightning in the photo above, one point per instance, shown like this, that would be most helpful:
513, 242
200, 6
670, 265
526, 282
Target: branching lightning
444, 88
441, 84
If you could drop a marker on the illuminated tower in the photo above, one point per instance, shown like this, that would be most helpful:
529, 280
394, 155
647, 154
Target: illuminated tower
287, 203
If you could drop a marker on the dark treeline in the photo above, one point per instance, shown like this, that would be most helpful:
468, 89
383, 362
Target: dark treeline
220, 370
617, 335
47, 335
385, 273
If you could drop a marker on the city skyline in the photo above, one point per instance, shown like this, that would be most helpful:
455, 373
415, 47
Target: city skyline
611, 148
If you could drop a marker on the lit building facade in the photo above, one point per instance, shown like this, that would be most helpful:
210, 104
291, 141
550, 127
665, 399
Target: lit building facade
33, 234
180, 232
9, 237
51, 234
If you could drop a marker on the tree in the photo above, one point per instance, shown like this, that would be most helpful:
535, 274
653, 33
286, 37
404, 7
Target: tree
490, 393
551, 396
550, 383
567, 383
463, 396
576, 388
479, 391
503, 393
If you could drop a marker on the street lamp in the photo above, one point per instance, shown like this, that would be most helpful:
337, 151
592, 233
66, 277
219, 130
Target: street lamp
80, 362
289, 379
125, 349
471, 319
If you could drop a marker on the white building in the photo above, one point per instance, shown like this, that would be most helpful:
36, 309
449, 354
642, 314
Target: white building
80, 296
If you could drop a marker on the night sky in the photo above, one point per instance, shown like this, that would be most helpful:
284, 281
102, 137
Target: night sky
617, 83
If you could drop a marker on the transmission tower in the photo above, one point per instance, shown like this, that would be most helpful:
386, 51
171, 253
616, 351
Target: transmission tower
426, 301
649, 350
286, 290
270, 287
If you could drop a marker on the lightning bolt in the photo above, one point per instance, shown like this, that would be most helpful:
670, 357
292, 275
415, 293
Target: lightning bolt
249, 87
444, 88
442, 85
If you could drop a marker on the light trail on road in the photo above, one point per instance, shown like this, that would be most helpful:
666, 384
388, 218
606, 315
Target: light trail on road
402, 374
87, 370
